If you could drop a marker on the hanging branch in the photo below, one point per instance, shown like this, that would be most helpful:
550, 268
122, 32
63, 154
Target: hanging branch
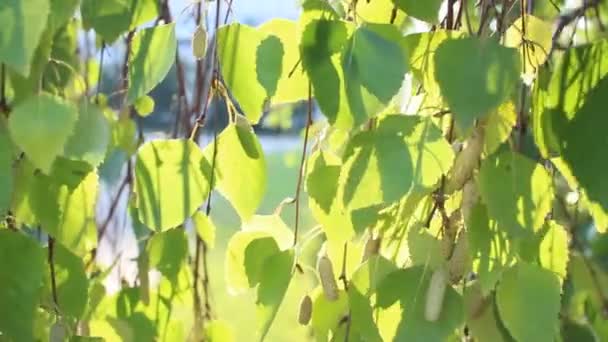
201, 249
182, 98
302, 162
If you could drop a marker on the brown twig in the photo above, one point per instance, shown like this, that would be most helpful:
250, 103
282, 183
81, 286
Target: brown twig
302, 162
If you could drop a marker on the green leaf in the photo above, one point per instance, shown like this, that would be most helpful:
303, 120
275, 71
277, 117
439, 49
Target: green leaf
144, 105
366, 70
274, 281
482, 316
403, 153
169, 182
204, 228
219, 331
379, 12
489, 70
91, 136
76, 229
554, 250
71, 281
242, 261
61, 12
295, 87
21, 278
424, 10
111, 18
326, 314
152, 55
23, 24
364, 282
66, 62
490, 247
237, 277
124, 132
407, 288
245, 53
325, 196
346, 85
321, 40
498, 127
41, 126
522, 199
256, 254
520, 286
240, 168
371, 273
421, 48
424, 247
584, 153
6, 169
534, 46
600, 216
560, 94
167, 252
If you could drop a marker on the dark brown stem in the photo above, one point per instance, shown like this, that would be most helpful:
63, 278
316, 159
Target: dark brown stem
449, 24
51, 260
302, 162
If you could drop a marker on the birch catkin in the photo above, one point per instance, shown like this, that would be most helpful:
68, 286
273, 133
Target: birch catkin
328, 280
435, 294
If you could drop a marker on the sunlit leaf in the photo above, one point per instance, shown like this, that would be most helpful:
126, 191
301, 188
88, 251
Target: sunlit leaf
293, 83
522, 199
246, 53
407, 289
274, 279
167, 251
71, 282
401, 154
533, 38
204, 228
169, 182
240, 168
554, 250
146, 69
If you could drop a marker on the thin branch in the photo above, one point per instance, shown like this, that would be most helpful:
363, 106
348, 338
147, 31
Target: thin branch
201, 246
568, 18
51, 260
3, 104
302, 162
214, 69
99, 78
